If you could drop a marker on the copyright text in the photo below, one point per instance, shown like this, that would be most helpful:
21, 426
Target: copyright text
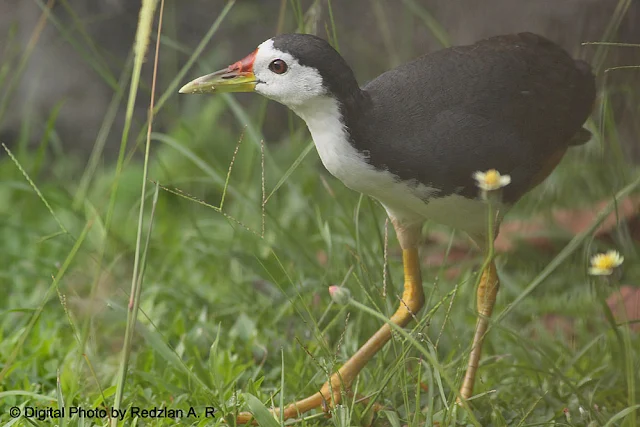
42, 414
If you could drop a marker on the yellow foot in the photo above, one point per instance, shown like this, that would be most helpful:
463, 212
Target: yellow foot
329, 396
321, 399
486, 298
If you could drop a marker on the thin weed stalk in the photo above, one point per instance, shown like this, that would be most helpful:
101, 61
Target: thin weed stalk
142, 38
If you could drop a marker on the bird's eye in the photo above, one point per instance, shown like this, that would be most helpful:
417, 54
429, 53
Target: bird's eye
278, 66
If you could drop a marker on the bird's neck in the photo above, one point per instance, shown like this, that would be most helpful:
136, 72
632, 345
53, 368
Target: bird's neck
327, 112
330, 124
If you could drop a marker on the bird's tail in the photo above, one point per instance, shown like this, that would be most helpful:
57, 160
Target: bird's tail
584, 68
582, 137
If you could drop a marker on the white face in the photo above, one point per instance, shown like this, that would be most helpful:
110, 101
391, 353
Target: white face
294, 87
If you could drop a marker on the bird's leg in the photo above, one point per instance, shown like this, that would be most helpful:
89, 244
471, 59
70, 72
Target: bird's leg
486, 298
412, 301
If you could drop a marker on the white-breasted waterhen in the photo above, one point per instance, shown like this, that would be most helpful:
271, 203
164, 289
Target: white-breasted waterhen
413, 138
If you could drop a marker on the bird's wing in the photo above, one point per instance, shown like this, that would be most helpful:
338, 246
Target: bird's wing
509, 103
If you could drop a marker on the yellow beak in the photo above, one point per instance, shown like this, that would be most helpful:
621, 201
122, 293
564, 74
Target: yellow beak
237, 77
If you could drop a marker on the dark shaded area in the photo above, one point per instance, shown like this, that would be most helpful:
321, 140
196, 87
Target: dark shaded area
57, 72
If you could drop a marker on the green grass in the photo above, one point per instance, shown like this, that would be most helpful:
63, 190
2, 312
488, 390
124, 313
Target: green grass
234, 311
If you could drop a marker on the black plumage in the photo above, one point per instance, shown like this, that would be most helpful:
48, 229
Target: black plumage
512, 103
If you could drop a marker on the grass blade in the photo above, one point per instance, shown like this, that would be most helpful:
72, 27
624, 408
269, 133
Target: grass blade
260, 411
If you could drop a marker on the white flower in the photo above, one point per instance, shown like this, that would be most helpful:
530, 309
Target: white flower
603, 264
491, 180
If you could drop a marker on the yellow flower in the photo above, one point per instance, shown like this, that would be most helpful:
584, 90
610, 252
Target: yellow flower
491, 180
603, 264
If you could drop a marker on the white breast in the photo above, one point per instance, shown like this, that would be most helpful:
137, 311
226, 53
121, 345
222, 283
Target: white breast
340, 158
402, 200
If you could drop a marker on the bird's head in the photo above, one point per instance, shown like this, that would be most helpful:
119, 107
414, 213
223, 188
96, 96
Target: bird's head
293, 69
